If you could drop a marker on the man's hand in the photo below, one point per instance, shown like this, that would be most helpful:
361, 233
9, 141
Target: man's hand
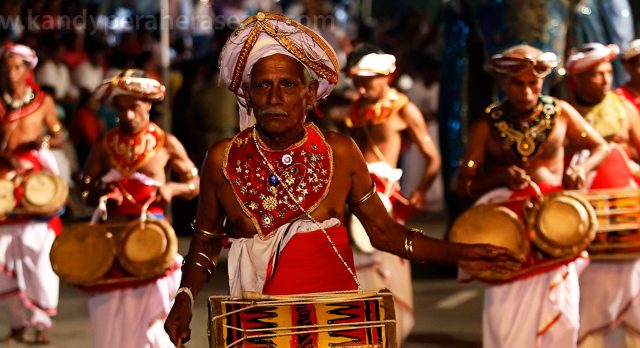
418, 200
516, 178
574, 177
480, 257
177, 323
165, 193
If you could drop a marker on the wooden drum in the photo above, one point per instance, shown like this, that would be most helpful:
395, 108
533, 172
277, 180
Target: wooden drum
346, 319
545, 231
44, 193
147, 248
618, 213
82, 254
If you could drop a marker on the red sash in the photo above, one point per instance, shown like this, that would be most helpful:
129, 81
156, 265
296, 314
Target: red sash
613, 172
308, 264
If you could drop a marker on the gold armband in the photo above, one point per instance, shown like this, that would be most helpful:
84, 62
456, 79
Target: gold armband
366, 197
190, 174
206, 234
192, 188
56, 128
408, 241
86, 179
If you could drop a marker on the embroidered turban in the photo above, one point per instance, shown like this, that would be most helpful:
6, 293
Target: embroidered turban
589, 56
518, 59
25, 52
131, 82
266, 34
632, 50
374, 64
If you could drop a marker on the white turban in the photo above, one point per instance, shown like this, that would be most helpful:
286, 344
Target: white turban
374, 64
632, 50
589, 56
266, 34
126, 84
25, 52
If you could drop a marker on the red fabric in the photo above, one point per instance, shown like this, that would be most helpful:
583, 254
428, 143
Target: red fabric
613, 172
128, 152
141, 193
309, 264
629, 95
307, 172
85, 127
399, 208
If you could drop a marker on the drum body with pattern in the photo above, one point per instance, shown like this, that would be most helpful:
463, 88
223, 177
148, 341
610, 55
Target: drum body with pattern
618, 234
345, 319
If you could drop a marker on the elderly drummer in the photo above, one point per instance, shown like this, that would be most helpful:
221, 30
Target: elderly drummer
29, 128
125, 175
520, 141
609, 312
281, 184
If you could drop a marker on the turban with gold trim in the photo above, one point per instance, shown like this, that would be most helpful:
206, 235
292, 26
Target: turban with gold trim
25, 52
131, 82
589, 56
266, 34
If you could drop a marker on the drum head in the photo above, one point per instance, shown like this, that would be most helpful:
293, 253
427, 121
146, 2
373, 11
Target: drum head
82, 254
44, 192
564, 224
491, 224
7, 198
148, 249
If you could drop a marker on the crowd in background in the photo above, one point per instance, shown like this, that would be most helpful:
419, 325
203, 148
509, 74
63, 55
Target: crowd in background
80, 43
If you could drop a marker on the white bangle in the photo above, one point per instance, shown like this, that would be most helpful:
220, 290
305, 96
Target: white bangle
186, 291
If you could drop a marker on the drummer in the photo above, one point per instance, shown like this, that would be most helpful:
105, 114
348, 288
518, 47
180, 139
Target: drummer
520, 140
128, 167
283, 177
610, 312
28, 129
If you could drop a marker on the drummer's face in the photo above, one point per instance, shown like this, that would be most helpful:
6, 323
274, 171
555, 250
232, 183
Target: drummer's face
16, 70
522, 90
133, 113
593, 84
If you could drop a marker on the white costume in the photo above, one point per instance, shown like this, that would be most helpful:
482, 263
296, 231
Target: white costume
26, 268
538, 311
377, 269
133, 317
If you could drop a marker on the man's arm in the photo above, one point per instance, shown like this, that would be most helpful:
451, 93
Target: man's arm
634, 127
206, 243
472, 181
55, 136
582, 136
95, 166
388, 235
420, 135
180, 163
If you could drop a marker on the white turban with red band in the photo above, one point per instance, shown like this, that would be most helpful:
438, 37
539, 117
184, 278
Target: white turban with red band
589, 56
632, 50
266, 34
25, 52
374, 64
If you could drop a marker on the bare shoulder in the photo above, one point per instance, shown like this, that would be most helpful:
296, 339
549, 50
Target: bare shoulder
566, 109
171, 143
342, 145
216, 153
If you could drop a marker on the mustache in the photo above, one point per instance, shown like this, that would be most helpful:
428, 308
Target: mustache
271, 112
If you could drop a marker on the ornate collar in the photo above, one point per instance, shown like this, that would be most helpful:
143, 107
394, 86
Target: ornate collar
274, 186
378, 112
11, 110
525, 140
607, 117
129, 152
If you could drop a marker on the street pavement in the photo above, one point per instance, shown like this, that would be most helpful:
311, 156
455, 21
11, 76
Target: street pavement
448, 314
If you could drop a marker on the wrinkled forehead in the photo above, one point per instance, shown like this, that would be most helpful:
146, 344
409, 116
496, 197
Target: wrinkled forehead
277, 64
